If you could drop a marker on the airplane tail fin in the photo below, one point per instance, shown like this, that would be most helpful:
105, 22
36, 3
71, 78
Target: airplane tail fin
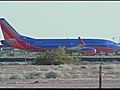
11, 37
8, 31
81, 42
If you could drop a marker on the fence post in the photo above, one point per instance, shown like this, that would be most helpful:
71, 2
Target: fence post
100, 76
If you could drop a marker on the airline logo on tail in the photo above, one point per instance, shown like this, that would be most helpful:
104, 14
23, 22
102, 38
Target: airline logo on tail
9, 33
12, 37
8, 30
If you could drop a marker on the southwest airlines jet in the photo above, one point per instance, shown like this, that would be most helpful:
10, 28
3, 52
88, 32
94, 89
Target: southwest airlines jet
87, 46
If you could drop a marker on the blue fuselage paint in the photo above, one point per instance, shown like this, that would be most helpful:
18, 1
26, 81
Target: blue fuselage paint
55, 43
98, 44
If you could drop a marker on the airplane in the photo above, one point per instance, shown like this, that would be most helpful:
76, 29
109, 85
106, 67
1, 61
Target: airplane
86, 46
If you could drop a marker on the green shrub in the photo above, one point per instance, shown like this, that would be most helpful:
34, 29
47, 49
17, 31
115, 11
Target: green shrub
110, 67
84, 67
16, 76
64, 67
11, 54
2, 76
54, 74
55, 57
34, 74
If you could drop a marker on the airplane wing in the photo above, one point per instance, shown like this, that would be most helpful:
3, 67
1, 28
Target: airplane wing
78, 47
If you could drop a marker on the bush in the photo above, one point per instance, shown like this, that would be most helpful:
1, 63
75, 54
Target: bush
2, 76
34, 74
16, 76
54, 74
55, 57
11, 54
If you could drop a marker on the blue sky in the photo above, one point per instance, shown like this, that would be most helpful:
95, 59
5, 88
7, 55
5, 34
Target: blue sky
63, 19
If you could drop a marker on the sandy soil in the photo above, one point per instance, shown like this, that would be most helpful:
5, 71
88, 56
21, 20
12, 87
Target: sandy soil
84, 75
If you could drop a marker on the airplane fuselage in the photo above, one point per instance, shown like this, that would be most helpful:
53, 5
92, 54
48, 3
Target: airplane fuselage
101, 45
54, 43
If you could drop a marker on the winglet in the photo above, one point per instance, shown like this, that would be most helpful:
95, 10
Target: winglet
81, 42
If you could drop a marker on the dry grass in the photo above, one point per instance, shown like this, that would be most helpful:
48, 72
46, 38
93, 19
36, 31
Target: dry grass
24, 74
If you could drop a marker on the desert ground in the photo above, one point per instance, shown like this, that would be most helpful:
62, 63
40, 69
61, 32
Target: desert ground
83, 75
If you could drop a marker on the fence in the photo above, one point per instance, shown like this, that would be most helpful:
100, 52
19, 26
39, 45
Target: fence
83, 75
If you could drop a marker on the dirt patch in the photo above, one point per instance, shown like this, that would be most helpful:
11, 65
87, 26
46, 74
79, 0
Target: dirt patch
84, 75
